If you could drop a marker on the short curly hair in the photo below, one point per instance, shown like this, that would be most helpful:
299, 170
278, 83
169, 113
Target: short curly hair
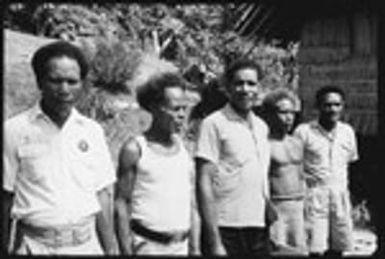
323, 91
238, 64
271, 99
151, 94
58, 49
269, 108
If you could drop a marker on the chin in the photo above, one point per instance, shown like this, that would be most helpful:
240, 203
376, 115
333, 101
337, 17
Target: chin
243, 107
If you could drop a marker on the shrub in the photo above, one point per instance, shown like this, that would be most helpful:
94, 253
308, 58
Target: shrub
112, 63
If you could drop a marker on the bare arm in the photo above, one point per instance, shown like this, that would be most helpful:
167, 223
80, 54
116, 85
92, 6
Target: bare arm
207, 209
6, 219
195, 222
128, 158
104, 222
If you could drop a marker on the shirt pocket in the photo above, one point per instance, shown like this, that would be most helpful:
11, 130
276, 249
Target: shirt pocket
317, 202
34, 161
236, 150
85, 166
228, 178
317, 152
345, 152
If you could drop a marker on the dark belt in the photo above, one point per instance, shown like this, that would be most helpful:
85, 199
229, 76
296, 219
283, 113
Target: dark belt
161, 237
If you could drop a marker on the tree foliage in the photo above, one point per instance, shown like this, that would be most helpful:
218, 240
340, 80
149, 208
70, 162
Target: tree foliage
197, 38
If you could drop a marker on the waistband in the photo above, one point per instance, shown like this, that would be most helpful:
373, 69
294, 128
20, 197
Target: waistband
161, 237
291, 197
331, 182
59, 236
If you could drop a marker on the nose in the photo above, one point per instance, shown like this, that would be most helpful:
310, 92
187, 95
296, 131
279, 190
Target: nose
332, 108
64, 87
181, 113
244, 87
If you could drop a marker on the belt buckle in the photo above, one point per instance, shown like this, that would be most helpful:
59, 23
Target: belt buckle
63, 237
177, 236
81, 235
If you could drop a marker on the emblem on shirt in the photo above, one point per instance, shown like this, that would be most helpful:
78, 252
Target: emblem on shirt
83, 145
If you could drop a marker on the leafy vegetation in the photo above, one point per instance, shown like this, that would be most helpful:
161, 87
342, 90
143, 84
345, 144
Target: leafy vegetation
190, 35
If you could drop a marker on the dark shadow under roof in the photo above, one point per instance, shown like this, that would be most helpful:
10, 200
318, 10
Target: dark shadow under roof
284, 19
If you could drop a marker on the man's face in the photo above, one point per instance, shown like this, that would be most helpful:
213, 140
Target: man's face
61, 84
243, 89
172, 112
285, 112
331, 107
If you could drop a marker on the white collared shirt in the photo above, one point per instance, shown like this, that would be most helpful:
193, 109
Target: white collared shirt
55, 173
327, 154
240, 150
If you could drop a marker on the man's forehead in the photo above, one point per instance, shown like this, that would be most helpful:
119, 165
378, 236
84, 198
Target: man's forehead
175, 95
332, 96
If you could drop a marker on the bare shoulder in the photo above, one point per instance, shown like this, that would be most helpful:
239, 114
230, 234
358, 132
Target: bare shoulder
296, 140
130, 152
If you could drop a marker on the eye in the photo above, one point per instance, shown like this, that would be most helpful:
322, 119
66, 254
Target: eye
54, 80
72, 81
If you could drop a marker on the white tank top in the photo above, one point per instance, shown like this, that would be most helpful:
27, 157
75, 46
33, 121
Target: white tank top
161, 197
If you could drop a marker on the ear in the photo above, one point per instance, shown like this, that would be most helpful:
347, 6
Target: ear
226, 91
39, 83
152, 108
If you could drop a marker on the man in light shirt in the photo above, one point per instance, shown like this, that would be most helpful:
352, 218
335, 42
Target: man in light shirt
58, 173
233, 156
154, 189
329, 147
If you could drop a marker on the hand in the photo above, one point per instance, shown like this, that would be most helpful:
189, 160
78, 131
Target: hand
219, 250
113, 251
126, 248
112, 248
194, 251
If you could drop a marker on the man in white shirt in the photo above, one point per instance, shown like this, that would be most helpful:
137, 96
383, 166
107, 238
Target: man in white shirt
233, 157
329, 146
58, 173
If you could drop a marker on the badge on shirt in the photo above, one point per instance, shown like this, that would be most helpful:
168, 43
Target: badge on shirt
83, 145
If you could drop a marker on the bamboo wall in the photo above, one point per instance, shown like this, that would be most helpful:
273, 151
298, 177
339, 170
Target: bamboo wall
342, 51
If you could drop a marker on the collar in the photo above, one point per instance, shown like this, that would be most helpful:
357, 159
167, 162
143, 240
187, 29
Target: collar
329, 134
231, 114
36, 113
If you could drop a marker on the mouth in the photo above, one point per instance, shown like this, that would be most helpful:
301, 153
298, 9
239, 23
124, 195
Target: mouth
65, 99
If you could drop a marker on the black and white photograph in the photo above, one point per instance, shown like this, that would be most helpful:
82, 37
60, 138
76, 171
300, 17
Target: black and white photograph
199, 129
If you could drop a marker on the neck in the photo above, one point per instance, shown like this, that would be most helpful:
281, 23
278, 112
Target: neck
327, 124
58, 115
156, 134
278, 134
242, 113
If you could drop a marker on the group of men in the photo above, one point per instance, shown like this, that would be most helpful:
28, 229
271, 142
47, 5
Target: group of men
258, 186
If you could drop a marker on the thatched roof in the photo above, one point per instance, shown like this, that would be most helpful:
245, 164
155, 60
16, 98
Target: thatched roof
284, 19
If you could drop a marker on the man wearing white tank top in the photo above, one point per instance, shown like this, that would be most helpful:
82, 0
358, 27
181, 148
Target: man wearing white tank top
153, 195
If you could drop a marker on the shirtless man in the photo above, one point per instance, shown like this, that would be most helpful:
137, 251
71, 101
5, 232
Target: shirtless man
285, 176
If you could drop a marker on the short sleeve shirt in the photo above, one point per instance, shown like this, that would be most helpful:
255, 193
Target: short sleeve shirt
327, 154
240, 150
54, 173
